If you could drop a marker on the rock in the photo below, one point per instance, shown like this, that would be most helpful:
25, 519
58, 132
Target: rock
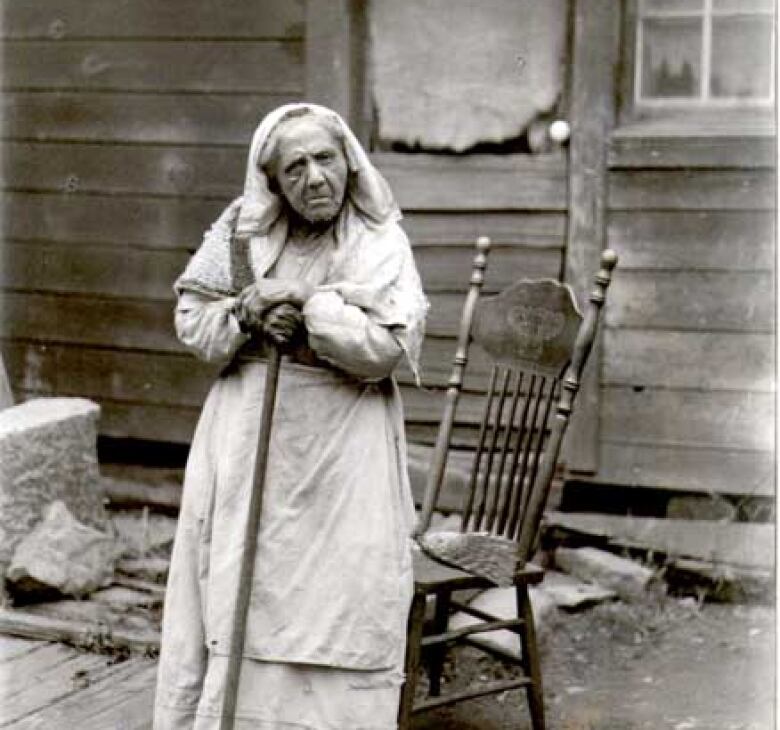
502, 603
140, 532
627, 578
569, 593
62, 554
701, 507
123, 597
47, 453
152, 569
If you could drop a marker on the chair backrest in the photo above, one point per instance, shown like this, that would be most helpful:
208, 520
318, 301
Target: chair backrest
538, 343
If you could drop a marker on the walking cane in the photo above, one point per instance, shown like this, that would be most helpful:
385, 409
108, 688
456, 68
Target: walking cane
250, 541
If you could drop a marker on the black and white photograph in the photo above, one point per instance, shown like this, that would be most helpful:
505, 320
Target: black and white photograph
388, 364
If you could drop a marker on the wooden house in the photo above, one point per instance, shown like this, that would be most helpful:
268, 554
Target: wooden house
125, 129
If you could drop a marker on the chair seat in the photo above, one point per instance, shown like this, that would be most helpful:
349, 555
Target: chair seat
431, 576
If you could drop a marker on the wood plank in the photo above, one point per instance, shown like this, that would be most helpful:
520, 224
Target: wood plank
706, 360
724, 240
475, 182
448, 268
689, 469
692, 300
43, 690
141, 117
69, 19
173, 424
113, 271
120, 375
205, 66
48, 658
713, 419
107, 699
739, 544
528, 228
138, 220
710, 151
12, 647
17, 622
89, 321
58, 167
692, 190
596, 41
329, 69
104, 270
137, 323
168, 378
128, 704
120, 221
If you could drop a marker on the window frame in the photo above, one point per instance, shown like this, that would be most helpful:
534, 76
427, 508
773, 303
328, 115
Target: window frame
634, 106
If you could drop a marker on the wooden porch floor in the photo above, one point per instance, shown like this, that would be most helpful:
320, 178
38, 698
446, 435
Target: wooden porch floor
46, 685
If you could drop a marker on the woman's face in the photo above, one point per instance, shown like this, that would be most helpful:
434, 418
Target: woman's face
311, 170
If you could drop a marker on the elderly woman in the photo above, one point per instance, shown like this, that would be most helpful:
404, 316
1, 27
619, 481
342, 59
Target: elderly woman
311, 256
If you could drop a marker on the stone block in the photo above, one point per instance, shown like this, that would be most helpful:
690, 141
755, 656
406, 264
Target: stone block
63, 554
627, 578
571, 594
47, 453
502, 603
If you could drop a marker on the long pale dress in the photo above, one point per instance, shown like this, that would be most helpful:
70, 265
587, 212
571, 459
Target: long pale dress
332, 583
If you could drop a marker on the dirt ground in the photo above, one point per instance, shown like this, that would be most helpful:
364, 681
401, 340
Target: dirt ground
669, 663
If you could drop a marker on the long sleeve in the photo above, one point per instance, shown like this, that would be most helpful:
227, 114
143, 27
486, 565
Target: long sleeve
208, 327
345, 336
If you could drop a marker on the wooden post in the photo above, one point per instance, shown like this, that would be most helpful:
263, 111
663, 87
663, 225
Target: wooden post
592, 113
335, 59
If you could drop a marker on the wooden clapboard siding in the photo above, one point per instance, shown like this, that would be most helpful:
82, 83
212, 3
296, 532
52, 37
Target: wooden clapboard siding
171, 118
693, 300
198, 19
688, 468
125, 130
695, 241
124, 221
215, 67
55, 167
88, 320
689, 349
476, 182
642, 358
735, 139
134, 376
694, 418
744, 189
90, 269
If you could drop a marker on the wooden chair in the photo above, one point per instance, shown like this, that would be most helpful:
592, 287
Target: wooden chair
538, 344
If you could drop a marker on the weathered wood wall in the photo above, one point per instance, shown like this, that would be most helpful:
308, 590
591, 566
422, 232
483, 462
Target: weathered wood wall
689, 347
126, 127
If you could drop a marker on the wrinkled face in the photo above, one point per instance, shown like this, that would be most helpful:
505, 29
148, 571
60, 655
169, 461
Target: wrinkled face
311, 170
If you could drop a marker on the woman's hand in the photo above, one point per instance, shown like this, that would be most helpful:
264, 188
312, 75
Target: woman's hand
283, 323
256, 299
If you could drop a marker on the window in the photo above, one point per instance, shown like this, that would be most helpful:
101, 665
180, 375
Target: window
705, 53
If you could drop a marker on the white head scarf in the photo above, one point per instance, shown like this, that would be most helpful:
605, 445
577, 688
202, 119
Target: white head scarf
367, 190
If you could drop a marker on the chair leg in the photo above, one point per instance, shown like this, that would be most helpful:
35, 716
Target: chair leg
438, 652
412, 663
531, 663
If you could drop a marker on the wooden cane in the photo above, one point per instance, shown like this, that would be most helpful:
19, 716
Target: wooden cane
250, 541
